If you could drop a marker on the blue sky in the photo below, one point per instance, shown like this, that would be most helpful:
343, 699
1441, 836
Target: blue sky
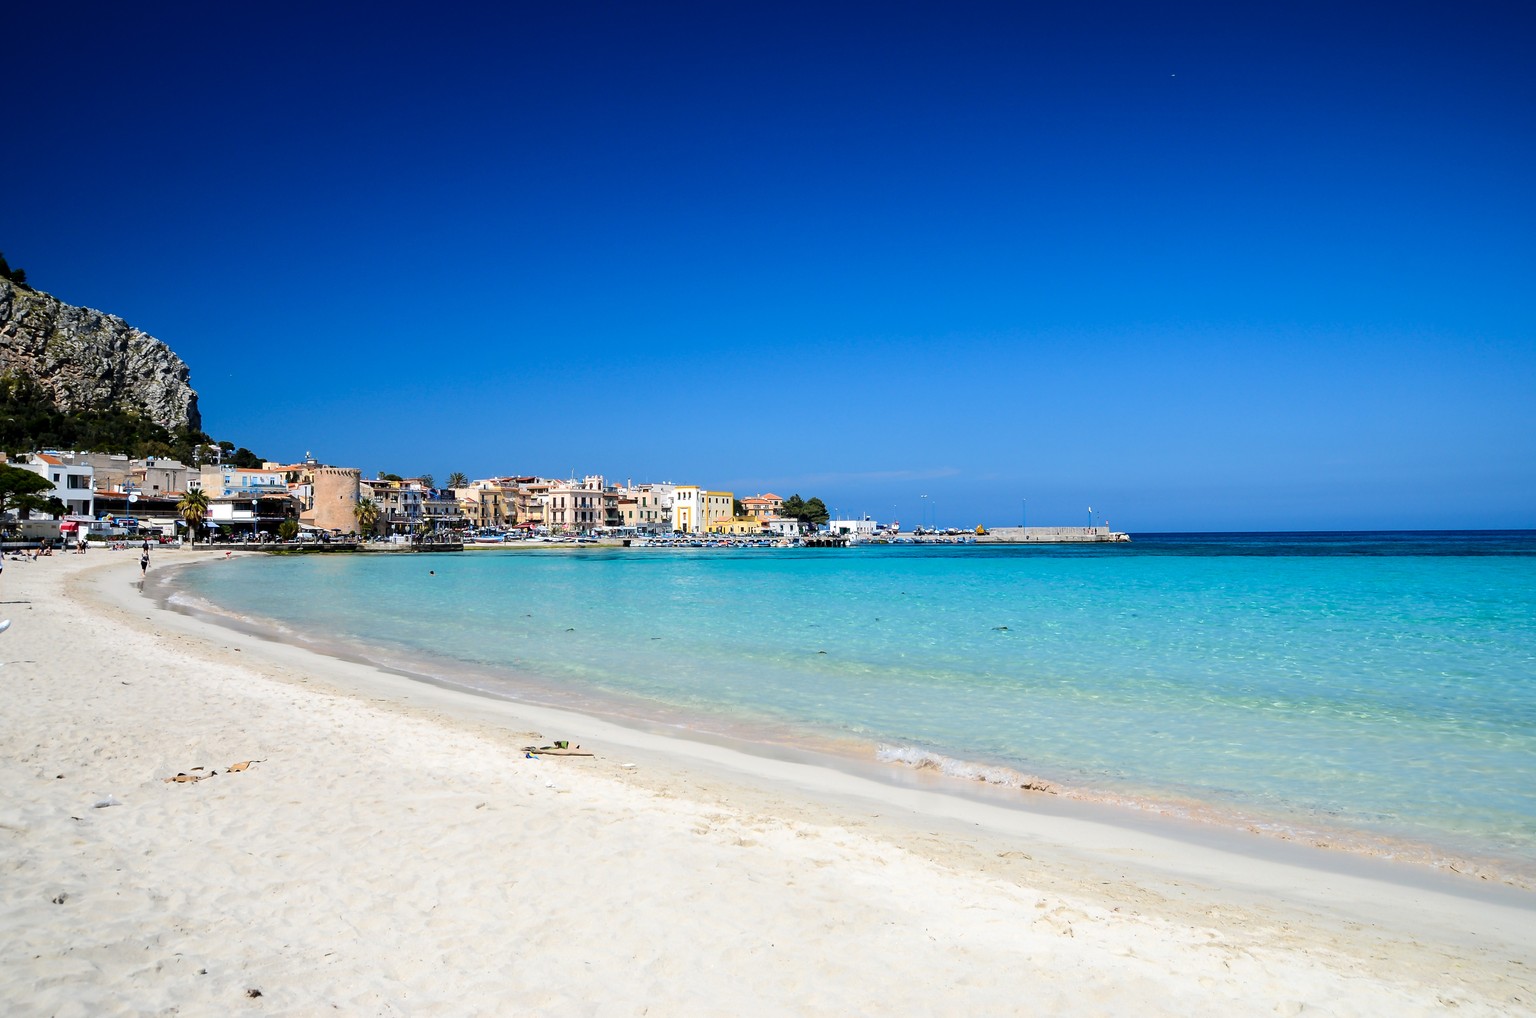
1220, 267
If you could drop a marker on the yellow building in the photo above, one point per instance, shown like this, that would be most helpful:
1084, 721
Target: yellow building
696, 511
738, 526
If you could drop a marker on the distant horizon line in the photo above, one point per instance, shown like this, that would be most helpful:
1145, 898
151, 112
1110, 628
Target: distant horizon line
1442, 530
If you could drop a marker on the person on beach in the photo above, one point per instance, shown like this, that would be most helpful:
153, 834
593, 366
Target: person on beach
144, 561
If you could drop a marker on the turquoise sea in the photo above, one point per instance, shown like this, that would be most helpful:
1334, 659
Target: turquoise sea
1374, 691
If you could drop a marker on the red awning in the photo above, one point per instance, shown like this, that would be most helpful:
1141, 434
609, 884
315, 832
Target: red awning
68, 526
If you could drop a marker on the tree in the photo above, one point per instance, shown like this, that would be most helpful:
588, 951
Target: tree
22, 489
26, 505
288, 529
426, 481
194, 509
366, 513
809, 511
737, 509
245, 459
458, 480
29, 420
390, 477
14, 275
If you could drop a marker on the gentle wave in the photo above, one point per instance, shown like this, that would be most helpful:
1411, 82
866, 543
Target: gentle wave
1006, 777
1511, 872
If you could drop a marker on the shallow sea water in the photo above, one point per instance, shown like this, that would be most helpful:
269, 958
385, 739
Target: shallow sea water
1368, 689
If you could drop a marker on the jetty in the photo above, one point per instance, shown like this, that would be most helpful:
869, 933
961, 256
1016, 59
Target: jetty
437, 542
1052, 535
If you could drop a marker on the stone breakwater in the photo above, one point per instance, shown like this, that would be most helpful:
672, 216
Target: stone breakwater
1052, 535
88, 360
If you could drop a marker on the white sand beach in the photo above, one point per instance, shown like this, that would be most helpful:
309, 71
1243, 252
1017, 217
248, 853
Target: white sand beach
390, 850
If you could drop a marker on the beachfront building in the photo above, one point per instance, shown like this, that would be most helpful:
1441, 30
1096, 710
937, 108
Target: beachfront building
399, 504
577, 507
73, 484
695, 509
738, 526
487, 504
857, 528
156, 511
687, 509
652, 509
645, 508
530, 499
440, 509
156, 475
108, 470
247, 515
718, 506
223, 481
629, 512
762, 506
300, 478
784, 526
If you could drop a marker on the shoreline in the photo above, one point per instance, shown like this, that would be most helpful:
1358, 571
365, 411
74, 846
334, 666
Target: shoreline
638, 877
1296, 838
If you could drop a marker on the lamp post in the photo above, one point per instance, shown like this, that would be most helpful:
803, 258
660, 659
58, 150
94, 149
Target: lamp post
922, 515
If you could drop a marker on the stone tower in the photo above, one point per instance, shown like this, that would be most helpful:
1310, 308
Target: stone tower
336, 490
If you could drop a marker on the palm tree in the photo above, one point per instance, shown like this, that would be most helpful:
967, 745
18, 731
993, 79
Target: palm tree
367, 513
194, 509
457, 479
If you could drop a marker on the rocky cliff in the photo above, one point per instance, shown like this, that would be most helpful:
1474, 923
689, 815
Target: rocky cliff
92, 361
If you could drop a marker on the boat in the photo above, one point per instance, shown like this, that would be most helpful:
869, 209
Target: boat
486, 537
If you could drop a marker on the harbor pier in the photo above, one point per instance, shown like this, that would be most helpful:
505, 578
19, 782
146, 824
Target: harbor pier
1052, 535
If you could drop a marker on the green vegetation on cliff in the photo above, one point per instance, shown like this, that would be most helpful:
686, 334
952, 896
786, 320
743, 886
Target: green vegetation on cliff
29, 421
17, 276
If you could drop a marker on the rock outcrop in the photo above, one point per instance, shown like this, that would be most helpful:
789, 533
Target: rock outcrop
89, 360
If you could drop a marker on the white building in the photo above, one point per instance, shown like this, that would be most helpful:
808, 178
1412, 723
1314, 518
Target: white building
73, 483
783, 526
862, 528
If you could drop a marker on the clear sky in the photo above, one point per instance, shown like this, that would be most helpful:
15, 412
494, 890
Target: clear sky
1228, 266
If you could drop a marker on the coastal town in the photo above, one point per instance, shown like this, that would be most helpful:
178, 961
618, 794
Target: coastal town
106, 496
